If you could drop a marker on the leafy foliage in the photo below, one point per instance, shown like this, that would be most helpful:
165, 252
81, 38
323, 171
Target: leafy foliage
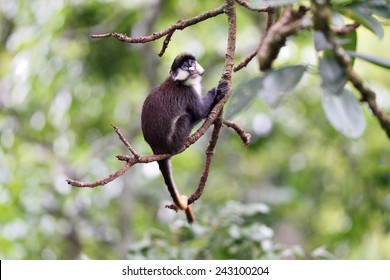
235, 232
338, 109
363, 12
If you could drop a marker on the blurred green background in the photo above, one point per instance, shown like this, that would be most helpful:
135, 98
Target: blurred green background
299, 190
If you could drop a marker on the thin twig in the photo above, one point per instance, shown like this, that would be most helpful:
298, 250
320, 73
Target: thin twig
348, 28
270, 20
124, 141
245, 137
180, 25
104, 181
165, 44
130, 161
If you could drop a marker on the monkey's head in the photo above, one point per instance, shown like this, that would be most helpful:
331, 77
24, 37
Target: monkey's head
186, 70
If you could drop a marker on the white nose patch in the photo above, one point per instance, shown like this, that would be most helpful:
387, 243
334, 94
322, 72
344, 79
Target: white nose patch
199, 68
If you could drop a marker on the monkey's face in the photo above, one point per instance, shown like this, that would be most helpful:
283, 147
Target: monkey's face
186, 70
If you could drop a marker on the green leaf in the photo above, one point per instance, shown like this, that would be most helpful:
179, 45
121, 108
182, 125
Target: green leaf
382, 62
262, 4
348, 41
272, 88
344, 112
320, 41
242, 95
332, 74
364, 17
278, 83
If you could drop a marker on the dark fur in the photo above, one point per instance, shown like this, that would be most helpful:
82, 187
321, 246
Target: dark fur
168, 115
170, 112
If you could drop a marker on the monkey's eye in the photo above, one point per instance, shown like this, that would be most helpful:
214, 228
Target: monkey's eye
187, 64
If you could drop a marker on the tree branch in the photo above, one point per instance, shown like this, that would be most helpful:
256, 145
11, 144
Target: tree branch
216, 114
321, 19
180, 25
210, 152
289, 23
226, 73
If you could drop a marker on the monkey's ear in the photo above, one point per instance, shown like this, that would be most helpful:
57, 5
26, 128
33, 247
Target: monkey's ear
172, 74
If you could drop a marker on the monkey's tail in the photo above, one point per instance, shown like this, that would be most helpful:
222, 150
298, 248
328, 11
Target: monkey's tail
166, 170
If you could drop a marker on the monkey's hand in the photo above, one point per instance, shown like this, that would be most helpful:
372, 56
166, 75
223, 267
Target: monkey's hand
221, 90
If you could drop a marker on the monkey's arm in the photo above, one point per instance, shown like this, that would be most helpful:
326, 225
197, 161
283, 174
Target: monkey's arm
209, 100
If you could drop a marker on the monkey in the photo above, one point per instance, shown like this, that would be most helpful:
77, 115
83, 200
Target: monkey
171, 110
